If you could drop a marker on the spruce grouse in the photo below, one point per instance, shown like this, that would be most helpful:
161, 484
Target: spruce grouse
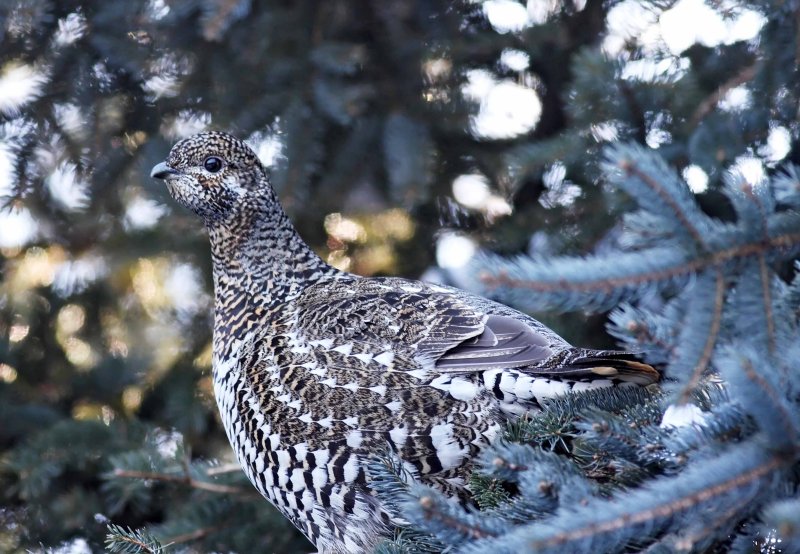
316, 370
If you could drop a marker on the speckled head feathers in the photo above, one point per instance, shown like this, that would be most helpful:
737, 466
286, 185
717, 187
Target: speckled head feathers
193, 151
214, 174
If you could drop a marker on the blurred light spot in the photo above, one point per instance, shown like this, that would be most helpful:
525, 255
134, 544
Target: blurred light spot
75, 276
36, 268
143, 213
205, 357
184, 289
75, 546
340, 260
79, 353
71, 120
166, 74
70, 319
158, 9
691, 21
471, 190
7, 373
539, 11
114, 333
736, 99
185, 124
454, 251
376, 258
67, 188
478, 84
507, 110
437, 69
132, 398
18, 332
393, 224
70, 29
17, 228
87, 411
649, 70
134, 140
117, 348
657, 136
344, 229
686, 22
515, 60
267, 146
779, 142
559, 191
19, 84
161, 86
506, 15
168, 443
146, 285
605, 132
6, 171
627, 20
696, 178
751, 168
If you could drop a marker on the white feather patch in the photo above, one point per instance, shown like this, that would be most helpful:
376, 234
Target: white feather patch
447, 450
595, 384
394, 405
545, 388
344, 349
324, 343
464, 390
398, 436
385, 358
354, 438
351, 469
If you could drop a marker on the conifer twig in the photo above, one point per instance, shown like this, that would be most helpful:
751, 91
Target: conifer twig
665, 510
782, 241
631, 169
428, 508
196, 534
222, 469
711, 341
184, 479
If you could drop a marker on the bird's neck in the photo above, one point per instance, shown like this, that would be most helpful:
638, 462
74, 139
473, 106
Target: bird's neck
259, 263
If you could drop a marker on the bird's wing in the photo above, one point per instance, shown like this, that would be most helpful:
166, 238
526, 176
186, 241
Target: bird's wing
442, 329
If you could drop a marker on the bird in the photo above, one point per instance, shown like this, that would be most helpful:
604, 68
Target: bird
317, 371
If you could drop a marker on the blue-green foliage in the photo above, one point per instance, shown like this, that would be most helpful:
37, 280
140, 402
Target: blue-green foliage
613, 470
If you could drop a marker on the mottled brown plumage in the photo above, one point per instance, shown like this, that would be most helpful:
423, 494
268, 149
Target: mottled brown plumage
316, 370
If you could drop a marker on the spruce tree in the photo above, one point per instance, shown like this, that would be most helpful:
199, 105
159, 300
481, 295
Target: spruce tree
644, 188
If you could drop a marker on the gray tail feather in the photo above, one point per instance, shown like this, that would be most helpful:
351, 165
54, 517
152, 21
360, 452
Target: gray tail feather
622, 366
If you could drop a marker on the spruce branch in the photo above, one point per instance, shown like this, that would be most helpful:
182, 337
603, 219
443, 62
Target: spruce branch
664, 505
132, 541
701, 361
196, 534
183, 479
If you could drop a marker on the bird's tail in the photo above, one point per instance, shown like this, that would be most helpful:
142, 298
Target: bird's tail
612, 364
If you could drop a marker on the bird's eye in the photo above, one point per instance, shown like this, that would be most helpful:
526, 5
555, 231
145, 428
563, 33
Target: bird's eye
212, 164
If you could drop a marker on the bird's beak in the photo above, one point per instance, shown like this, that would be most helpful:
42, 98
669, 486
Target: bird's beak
162, 171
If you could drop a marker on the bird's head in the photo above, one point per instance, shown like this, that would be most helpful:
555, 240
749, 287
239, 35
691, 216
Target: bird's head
214, 174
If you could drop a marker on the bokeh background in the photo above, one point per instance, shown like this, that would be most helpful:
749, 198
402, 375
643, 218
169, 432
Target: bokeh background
402, 137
